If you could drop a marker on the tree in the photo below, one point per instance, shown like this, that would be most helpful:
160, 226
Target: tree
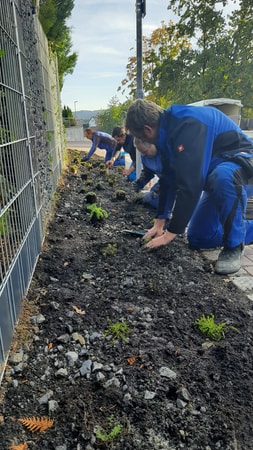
163, 44
113, 116
66, 112
241, 23
219, 63
53, 15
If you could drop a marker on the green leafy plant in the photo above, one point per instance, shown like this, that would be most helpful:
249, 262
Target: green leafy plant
49, 136
51, 159
120, 194
103, 171
91, 197
214, 331
96, 212
118, 330
88, 165
109, 250
4, 228
73, 168
112, 433
111, 181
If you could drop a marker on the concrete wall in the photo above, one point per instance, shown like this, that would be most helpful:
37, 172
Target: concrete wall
74, 134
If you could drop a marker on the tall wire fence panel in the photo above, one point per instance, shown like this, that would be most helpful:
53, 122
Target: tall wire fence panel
31, 154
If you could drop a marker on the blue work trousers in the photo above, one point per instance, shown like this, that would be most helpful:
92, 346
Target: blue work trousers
219, 218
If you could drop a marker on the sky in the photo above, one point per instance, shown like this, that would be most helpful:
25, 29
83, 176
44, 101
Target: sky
103, 32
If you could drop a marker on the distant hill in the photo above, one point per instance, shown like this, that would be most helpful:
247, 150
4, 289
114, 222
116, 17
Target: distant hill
85, 114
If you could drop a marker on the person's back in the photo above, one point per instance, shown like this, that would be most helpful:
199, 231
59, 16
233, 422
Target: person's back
100, 140
207, 162
125, 141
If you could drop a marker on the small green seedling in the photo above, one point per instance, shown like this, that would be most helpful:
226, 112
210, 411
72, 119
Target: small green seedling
120, 194
97, 213
103, 171
118, 330
87, 165
91, 197
214, 331
77, 159
111, 181
73, 168
113, 432
109, 250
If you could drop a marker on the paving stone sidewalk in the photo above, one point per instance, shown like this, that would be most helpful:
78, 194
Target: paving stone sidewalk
242, 279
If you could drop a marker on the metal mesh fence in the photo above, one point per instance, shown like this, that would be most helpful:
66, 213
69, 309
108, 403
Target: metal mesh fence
31, 153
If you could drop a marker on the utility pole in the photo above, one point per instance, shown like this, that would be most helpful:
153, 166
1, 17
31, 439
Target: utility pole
140, 13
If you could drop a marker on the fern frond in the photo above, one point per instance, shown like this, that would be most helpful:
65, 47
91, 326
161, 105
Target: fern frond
39, 424
23, 446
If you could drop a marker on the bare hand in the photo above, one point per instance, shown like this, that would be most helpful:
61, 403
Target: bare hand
109, 163
126, 171
164, 239
156, 230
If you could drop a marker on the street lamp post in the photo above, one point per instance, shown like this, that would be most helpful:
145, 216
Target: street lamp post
75, 102
140, 13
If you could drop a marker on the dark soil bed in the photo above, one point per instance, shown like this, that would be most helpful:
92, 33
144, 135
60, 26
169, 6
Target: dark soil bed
114, 356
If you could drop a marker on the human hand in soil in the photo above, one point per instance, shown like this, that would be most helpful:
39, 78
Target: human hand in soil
110, 163
166, 238
127, 171
156, 230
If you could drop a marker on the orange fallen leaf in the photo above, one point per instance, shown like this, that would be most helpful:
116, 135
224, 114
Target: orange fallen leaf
77, 310
23, 446
133, 359
39, 424
50, 345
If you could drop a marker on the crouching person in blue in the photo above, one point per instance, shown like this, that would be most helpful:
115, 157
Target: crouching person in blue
207, 165
99, 140
126, 142
151, 167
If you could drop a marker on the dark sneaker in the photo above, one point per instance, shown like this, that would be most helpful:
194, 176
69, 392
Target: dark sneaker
229, 260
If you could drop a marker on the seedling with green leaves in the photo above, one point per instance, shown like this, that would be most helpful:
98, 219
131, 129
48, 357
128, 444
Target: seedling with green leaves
120, 194
91, 197
73, 168
111, 434
109, 250
118, 330
214, 331
96, 212
103, 171
111, 180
